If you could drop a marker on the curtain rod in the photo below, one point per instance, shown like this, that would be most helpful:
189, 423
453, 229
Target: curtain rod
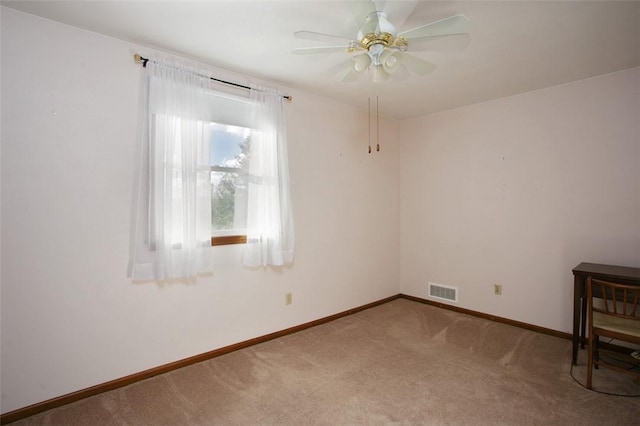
141, 60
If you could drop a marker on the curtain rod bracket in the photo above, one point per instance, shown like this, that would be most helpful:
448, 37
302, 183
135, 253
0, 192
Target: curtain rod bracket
138, 59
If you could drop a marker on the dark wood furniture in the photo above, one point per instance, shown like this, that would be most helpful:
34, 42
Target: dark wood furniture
612, 273
615, 318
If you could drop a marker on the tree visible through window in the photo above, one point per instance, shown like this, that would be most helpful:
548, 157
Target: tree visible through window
229, 167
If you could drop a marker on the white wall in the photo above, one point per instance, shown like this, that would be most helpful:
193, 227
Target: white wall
515, 191
520, 190
70, 316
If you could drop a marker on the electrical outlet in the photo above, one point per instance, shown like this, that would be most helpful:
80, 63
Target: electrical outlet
497, 289
288, 298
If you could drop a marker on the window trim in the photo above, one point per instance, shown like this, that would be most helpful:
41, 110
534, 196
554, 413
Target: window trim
241, 170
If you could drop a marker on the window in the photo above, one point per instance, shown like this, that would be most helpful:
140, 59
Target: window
186, 119
229, 173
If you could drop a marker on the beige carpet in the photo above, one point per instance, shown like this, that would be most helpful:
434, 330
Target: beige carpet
399, 363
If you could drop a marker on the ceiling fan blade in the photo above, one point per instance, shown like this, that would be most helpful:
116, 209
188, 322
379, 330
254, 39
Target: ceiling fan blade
402, 74
399, 11
361, 9
457, 24
351, 76
450, 42
314, 36
380, 74
318, 49
339, 68
415, 64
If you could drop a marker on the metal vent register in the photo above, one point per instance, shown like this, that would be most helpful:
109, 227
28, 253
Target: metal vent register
443, 292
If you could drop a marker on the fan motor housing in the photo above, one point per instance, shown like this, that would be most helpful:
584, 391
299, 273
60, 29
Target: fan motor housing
385, 39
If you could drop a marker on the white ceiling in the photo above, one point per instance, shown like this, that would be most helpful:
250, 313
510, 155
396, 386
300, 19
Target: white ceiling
516, 46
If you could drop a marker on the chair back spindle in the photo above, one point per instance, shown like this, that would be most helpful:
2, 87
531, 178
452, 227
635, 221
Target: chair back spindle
617, 317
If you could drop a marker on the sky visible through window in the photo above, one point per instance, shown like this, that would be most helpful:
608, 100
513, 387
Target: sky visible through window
225, 144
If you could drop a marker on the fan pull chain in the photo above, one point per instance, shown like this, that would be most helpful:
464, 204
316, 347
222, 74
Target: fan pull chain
369, 104
377, 123
377, 127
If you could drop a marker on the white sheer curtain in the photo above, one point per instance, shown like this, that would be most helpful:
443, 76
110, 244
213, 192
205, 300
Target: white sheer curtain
270, 236
173, 224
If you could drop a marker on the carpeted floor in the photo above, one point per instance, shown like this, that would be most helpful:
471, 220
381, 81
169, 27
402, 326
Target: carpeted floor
399, 363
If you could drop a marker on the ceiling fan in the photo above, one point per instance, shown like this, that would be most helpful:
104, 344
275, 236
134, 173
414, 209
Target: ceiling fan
382, 48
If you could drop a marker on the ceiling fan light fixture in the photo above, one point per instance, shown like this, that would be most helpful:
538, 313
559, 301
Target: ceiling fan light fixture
389, 61
361, 62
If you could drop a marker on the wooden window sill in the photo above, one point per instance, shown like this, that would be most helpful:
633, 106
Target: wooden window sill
228, 239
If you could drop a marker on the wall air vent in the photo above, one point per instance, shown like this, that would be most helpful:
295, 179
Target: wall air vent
443, 292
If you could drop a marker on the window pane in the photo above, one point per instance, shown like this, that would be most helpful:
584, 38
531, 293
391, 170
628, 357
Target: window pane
229, 145
229, 150
228, 201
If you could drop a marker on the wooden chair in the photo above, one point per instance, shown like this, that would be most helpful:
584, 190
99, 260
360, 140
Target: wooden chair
617, 316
